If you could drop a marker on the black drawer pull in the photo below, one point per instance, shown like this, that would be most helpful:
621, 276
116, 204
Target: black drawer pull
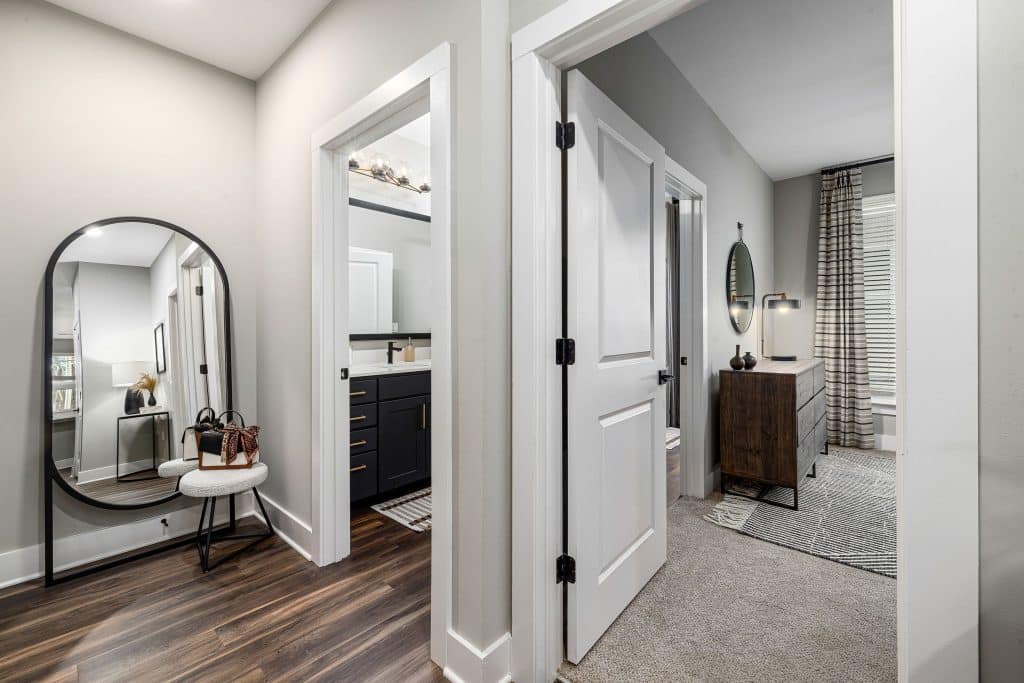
357, 468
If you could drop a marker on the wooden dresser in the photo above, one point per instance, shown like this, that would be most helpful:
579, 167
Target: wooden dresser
772, 423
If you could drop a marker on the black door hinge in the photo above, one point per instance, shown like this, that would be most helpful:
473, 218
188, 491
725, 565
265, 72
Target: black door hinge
565, 351
199, 290
203, 369
565, 569
565, 135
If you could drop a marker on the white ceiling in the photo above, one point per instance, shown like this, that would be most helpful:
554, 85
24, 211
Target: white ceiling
121, 244
241, 36
802, 84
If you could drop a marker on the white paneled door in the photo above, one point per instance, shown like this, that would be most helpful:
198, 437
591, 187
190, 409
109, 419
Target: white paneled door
615, 311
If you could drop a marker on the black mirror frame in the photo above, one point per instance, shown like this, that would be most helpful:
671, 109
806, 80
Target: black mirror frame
51, 473
753, 283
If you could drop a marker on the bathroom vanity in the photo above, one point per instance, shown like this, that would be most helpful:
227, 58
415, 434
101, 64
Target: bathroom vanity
389, 422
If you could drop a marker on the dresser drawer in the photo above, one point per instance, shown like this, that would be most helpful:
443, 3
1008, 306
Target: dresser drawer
819, 377
362, 440
363, 476
809, 415
400, 386
362, 390
804, 387
362, 415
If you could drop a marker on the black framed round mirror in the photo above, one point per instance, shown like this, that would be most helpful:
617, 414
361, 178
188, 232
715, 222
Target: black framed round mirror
739, 286
137, 338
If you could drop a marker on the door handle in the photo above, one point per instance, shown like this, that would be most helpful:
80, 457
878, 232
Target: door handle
664, 376
423, 416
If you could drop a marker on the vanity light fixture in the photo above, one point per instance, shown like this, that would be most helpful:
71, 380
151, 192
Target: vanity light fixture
780, 302
380, 169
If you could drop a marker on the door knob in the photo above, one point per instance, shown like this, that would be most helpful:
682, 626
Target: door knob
664, 376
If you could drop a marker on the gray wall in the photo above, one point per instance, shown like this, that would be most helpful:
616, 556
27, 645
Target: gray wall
796, 263
96, 124
738, 190
1001, 183
350, 50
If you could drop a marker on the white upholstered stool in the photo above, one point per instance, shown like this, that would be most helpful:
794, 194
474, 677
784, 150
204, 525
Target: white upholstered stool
209, 485
176, 468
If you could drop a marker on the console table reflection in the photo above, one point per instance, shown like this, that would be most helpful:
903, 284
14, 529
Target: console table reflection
153, 422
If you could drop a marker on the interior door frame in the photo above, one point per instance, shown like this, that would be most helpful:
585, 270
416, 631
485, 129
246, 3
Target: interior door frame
937, 609
694, 309
427, 81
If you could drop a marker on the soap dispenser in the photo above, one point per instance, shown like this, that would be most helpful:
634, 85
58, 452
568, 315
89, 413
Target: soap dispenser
409, 352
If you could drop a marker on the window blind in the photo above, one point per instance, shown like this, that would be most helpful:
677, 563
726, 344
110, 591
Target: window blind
879, 213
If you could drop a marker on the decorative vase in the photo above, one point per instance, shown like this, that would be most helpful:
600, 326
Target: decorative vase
736, 362
749, 361
152, 399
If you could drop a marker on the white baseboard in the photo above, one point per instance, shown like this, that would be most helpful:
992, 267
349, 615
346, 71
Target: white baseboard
290, 528
110, 471
466, 664
885, 442
24, 564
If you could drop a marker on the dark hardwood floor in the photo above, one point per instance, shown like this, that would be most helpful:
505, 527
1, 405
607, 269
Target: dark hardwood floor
124, 491
265, 615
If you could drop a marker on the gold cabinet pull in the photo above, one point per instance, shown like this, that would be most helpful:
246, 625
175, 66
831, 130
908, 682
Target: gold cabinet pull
357, 418
423, 416
361, 442
357, 393
357, 468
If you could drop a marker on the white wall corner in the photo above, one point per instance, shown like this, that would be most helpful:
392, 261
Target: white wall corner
466, 664
291, 529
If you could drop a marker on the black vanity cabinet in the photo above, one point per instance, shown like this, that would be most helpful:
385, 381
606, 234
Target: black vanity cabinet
390, 433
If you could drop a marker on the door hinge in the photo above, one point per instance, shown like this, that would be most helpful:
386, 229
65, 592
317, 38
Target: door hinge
565, 351
683, 360
565, 135
565, 569
203, 370
199, 290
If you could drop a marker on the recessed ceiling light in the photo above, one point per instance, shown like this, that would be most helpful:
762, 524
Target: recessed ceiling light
94, 232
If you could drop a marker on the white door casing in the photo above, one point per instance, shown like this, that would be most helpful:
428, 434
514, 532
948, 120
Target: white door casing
616, 313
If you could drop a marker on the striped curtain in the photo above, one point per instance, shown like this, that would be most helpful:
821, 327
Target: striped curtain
839, 332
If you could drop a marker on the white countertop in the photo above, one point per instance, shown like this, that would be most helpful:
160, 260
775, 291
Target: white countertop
382, 368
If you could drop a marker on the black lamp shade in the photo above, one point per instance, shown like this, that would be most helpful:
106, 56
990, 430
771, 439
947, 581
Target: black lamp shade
784, 304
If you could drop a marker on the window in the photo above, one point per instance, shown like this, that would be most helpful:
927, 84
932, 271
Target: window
62, 369
880, 293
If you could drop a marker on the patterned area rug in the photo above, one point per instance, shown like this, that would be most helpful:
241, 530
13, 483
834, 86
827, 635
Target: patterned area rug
411, 510
847, 514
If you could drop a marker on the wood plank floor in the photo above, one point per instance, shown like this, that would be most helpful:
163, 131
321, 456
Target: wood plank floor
126, 491
266, 615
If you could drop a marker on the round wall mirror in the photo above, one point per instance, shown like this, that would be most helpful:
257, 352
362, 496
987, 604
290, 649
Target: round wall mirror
137, 342
739, 286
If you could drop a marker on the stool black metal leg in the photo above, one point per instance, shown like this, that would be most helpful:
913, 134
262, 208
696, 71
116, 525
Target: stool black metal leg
266, 517
209, 534
199, 531
231, 513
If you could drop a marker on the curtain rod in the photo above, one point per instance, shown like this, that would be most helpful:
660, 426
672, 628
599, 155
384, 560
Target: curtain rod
858, 164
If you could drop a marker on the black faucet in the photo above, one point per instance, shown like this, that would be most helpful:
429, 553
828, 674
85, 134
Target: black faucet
391, 351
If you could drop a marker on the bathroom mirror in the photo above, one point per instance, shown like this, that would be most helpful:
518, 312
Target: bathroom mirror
739, 286
137, 340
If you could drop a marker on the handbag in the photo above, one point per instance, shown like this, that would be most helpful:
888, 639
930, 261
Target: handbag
205, 420
224, 445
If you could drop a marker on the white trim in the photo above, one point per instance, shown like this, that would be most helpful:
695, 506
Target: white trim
289, 527
467, 664
935, 46
699, 449
25, 564
110, 471
429, 77
937, 250
885, 442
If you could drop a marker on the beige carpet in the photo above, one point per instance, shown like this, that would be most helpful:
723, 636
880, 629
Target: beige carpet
728, 607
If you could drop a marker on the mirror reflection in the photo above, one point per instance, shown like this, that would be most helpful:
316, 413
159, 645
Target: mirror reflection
739, 286
138, 348
389, 233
